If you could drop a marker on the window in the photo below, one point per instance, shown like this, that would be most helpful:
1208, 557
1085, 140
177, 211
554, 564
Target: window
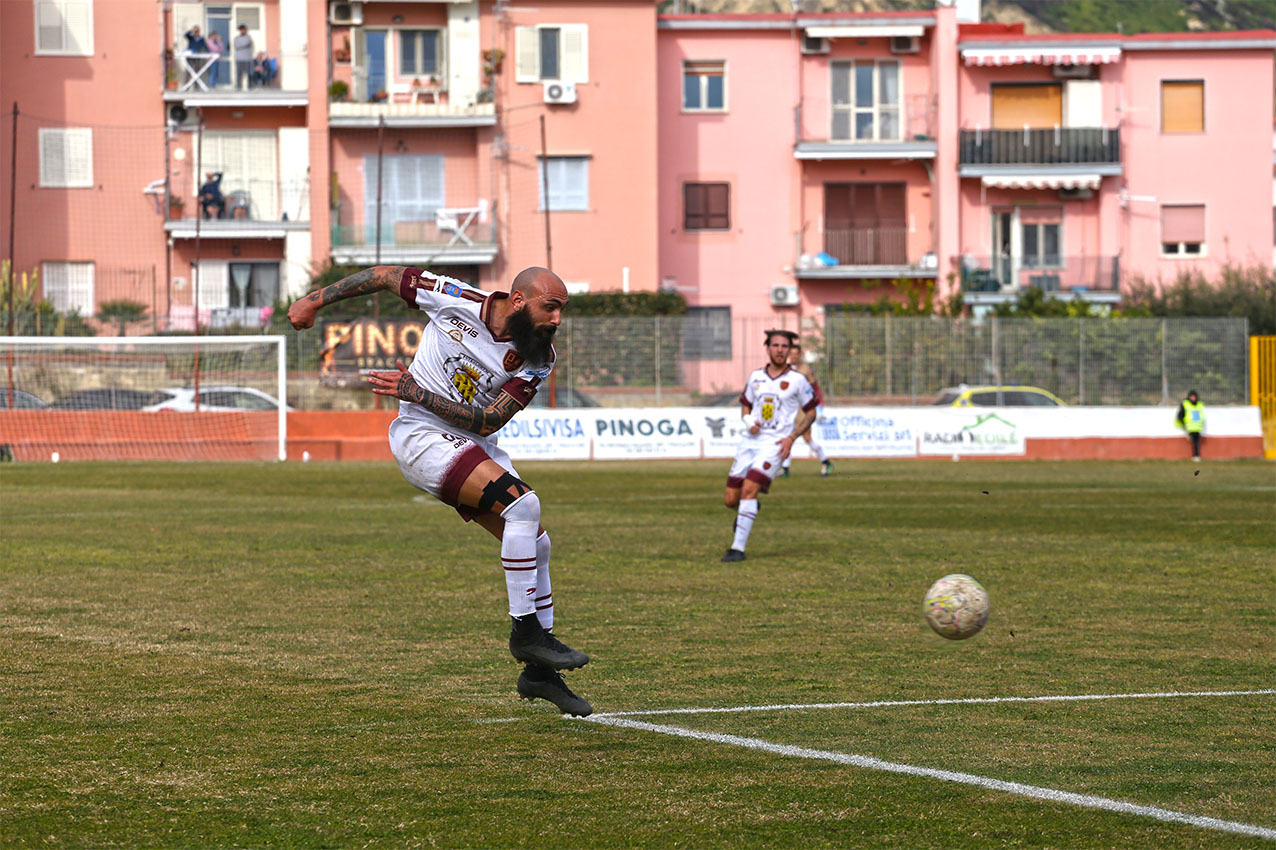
66, 158
254, 284
704, 86
706, 333
412, 188
1041, 229
706, 206
866, 224
69, 287
1183, 230
558, 53
1183, 106
64, 27
568, 179
419, 53
1017, 105
866, 100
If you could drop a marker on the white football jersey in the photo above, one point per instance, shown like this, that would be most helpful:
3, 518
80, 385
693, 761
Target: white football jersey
459, 356
775, 402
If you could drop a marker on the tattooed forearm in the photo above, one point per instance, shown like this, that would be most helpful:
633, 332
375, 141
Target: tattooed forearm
805, 419
364, 282
476, 420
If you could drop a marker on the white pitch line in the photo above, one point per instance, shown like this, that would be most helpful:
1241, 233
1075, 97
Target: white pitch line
898, 703
1050, 794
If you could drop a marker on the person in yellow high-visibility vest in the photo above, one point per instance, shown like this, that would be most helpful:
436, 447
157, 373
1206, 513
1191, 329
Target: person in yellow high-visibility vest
1191, 418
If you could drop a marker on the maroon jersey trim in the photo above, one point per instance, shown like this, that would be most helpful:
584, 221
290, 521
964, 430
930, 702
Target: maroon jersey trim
522, 390
485, 313
409, 284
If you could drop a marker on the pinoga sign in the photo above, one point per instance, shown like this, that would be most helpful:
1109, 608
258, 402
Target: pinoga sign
363, 344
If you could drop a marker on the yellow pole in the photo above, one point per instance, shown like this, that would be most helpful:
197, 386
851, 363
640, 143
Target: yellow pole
1262, 387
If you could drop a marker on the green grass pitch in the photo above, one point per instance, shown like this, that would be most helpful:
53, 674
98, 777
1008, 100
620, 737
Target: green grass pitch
313, 655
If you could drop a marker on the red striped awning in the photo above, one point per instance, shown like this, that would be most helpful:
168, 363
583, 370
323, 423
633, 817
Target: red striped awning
1040, 55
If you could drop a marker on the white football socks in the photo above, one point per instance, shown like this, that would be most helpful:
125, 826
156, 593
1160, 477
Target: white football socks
747, 512
544, 597
518, 552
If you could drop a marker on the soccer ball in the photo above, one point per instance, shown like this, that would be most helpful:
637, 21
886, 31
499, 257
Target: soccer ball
956, 607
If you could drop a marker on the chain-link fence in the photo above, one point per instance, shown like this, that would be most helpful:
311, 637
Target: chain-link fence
663, 361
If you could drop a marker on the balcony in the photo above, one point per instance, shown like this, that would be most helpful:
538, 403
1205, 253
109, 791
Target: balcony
877, 135
343, 114
452, 236
863, 253
1093, 150
252, 208
206, 79
998, 280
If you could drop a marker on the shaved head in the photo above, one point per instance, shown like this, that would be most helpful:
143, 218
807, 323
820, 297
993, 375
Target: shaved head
537, 280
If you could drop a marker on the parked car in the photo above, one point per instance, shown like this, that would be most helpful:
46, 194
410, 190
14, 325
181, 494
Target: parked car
215, 398
993, 396
22, 400
106, 398
563, 397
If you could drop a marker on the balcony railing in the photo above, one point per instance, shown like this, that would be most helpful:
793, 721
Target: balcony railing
460, 234
243, 200
868, 246
189, 73
1053, 146
1048, 273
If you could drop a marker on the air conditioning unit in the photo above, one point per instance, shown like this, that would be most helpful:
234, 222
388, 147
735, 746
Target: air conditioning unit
345, 13
1073, 72
905, 44
784, 295
814, 45
1076, 193
560, 92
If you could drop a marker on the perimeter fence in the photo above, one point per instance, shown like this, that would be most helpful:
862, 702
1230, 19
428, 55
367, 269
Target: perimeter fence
663, 361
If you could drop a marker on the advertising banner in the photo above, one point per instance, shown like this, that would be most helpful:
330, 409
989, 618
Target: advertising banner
630, 434
351, 347
971, 431
539, 434
867, 432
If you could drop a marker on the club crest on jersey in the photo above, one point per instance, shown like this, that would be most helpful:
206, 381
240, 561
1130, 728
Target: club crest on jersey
467, 377
784, 385
452, 289
513, 360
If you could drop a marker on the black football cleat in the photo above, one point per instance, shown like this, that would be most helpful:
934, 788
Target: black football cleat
825, 468
531, 644
539, 682
732, 556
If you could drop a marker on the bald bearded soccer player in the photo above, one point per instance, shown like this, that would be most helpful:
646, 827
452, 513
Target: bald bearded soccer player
481, 359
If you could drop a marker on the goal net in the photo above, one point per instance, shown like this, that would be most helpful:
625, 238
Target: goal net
143, 398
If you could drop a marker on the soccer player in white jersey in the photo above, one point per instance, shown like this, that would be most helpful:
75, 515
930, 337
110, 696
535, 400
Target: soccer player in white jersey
796, 361
777, 407
480, 360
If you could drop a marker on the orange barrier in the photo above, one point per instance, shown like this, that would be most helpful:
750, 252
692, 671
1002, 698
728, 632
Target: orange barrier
340, 434
33, 435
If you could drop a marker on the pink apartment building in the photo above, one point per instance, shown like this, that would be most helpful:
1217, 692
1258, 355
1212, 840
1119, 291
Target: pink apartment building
472, 137
762, 165
808, 161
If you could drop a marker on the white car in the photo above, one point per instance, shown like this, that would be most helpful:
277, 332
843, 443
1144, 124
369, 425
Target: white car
216, 398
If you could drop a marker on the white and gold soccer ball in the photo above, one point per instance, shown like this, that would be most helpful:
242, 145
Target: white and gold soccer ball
956, 607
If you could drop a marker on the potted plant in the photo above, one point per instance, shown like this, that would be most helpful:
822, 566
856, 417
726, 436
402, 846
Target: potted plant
342, 54
338, 90
176, 206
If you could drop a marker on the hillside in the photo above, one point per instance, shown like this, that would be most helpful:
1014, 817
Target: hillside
1128, 16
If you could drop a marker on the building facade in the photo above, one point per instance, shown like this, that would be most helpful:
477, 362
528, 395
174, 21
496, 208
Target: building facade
762, 165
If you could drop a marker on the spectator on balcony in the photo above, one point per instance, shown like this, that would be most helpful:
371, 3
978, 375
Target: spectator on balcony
211, 197
195, 42
243, 45
216, 47
264, 69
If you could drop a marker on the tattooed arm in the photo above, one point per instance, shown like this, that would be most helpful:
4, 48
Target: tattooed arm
366, 282
483, 421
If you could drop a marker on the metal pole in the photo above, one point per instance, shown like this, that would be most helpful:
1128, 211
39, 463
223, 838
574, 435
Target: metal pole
549, 248
1080, 360
199, 217
657, 327
13, 261
376, 298
1165, 377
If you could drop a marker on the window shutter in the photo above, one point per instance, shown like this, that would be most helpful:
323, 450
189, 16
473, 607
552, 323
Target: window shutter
717, 203
214, 285
575, 53
79, 158
48, 21
1183, 107
78, 19
527, 46
69, 286
52, 158
1184, 223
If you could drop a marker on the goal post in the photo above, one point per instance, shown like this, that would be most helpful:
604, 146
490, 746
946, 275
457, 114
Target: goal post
143, 398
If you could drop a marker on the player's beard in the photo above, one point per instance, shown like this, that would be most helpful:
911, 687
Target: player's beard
534, 343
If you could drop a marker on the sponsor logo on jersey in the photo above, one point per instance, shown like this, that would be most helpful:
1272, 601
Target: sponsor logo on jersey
452, 289
453, 320
455, 334
513, 360
467, 377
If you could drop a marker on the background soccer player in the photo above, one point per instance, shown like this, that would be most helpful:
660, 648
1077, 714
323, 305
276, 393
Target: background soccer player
796, 361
